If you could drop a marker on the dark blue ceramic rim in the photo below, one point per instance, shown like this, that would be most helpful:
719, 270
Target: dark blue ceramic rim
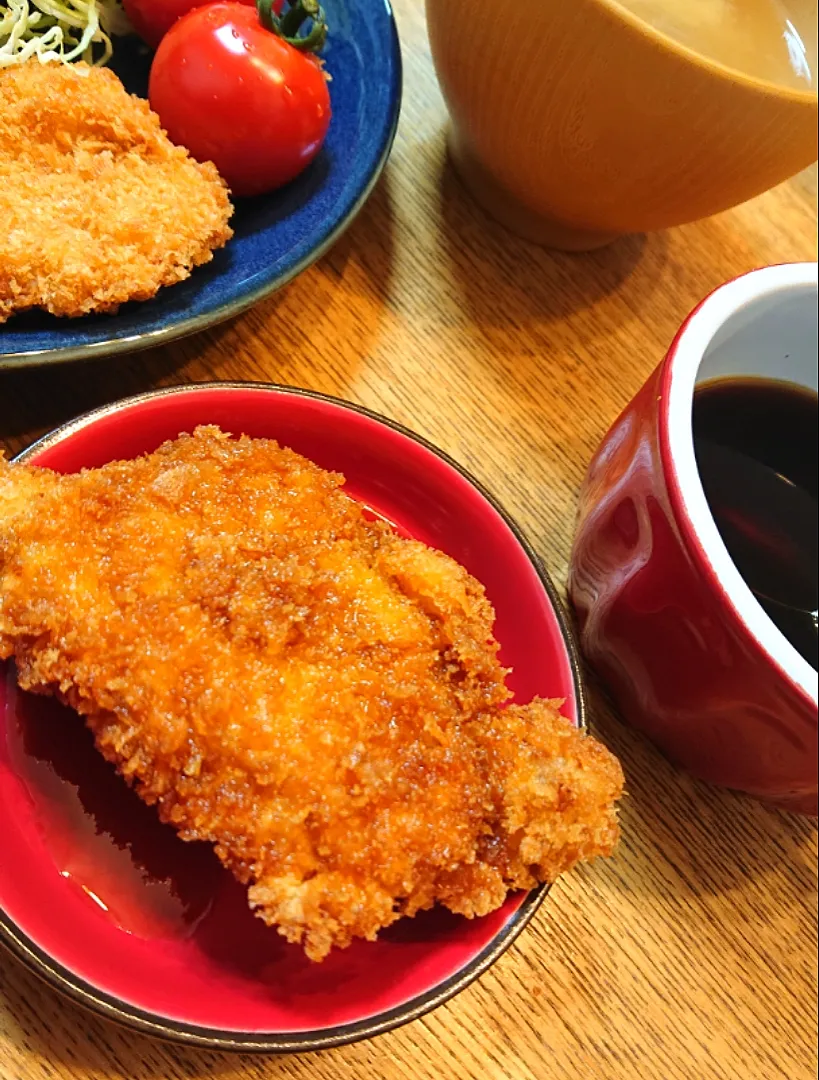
129, 1016
183, 327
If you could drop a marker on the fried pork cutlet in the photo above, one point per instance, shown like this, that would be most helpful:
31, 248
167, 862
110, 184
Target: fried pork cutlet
315, 695
97, 205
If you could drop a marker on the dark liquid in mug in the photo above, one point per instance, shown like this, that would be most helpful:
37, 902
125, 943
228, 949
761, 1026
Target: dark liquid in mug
756, 446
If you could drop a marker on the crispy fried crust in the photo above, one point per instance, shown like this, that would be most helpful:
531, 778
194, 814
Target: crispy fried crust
318, 697
96, 205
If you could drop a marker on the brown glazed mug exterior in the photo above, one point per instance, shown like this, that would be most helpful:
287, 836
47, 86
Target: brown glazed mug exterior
690, 656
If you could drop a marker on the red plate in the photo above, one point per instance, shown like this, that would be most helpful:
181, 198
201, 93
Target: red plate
113, 908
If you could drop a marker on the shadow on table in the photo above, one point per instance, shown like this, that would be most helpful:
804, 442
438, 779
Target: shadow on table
685, 838
329, 316
34, 400
369, 242
509, 282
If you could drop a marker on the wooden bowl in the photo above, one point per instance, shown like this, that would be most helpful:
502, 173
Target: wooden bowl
573, 123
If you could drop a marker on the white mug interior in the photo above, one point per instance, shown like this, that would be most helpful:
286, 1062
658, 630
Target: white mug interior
765, 325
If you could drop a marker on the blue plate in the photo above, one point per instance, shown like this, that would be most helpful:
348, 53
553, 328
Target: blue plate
276, 236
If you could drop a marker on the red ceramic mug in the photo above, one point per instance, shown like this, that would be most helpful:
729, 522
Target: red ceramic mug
665, 617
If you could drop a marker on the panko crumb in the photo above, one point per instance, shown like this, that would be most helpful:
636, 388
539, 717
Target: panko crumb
315, 695
97, 206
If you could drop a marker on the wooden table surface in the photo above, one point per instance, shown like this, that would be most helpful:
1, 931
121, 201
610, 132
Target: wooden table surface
691, 955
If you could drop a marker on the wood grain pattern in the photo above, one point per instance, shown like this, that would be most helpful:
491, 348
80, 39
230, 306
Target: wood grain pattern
563, 149
692, 954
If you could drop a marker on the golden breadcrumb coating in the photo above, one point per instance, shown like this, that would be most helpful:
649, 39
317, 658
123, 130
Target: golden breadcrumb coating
315, 695
97, 206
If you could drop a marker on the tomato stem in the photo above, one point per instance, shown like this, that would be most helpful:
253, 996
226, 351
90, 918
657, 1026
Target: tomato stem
289, 24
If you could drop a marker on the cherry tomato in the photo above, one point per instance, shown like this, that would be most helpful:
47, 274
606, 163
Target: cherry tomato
238, 95
152, 19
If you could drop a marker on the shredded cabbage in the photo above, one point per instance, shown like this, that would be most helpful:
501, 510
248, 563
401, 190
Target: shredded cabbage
63, 30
